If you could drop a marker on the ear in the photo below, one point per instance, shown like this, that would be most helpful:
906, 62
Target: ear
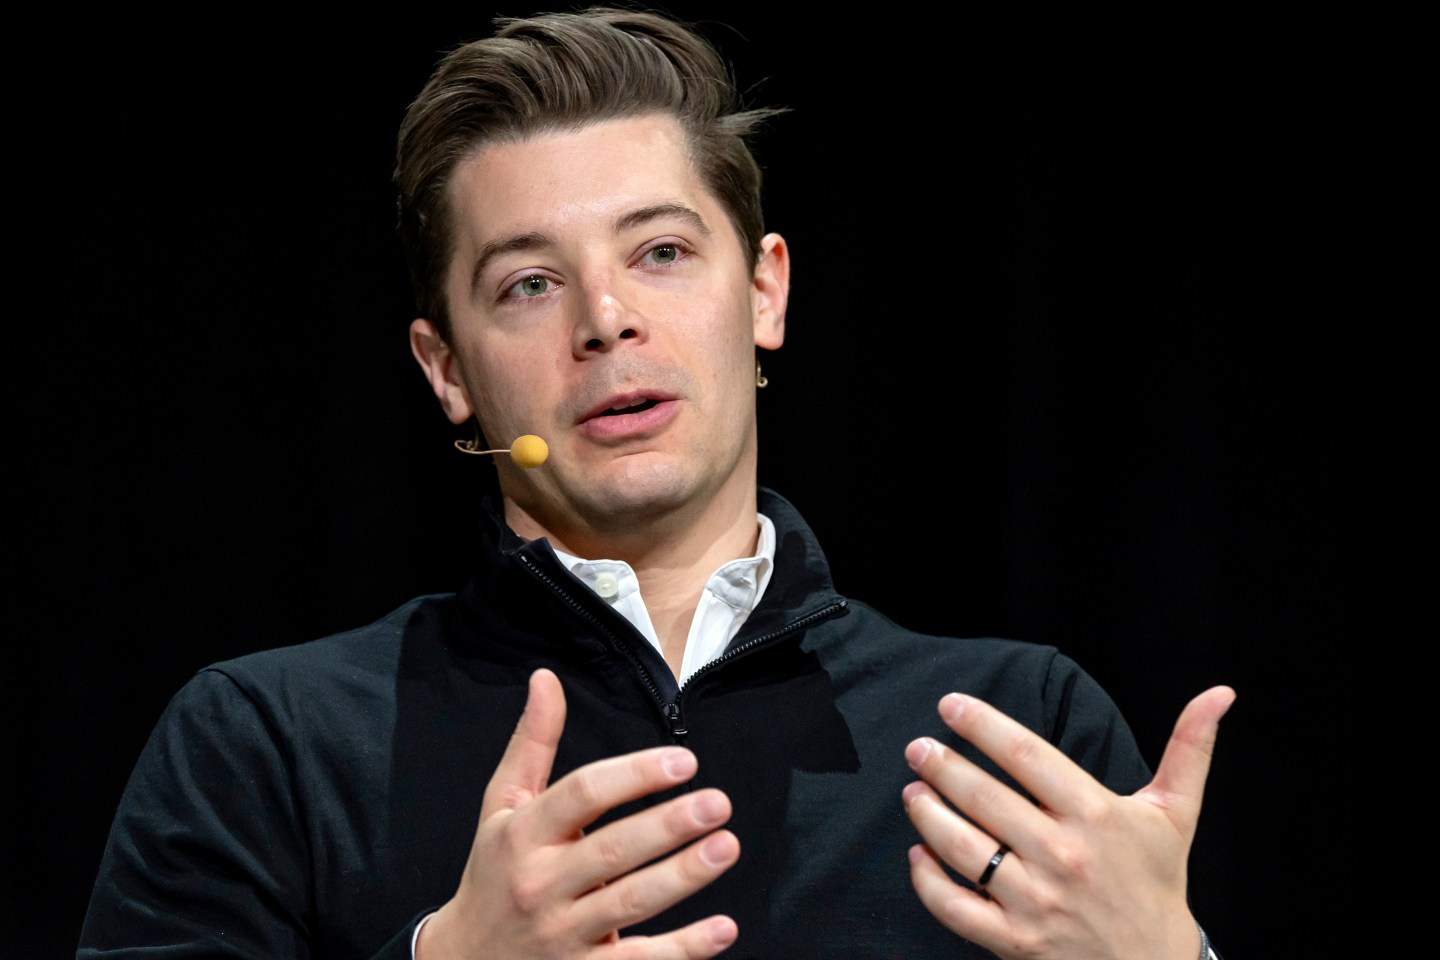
442, 369
770, 291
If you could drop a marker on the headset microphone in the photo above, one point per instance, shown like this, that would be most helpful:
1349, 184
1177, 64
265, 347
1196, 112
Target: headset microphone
528, 451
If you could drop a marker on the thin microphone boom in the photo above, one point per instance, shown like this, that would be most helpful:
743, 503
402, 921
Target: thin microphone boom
528, 451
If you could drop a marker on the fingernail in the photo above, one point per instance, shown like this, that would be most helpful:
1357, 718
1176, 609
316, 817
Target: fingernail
919, 750
678, 763
716, 849
911, 791
916, 853
722, 931
709, 809
952, 705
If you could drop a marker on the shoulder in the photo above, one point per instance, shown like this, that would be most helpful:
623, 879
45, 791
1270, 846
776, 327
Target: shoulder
373, 647
341, 677
893, 668
871, 641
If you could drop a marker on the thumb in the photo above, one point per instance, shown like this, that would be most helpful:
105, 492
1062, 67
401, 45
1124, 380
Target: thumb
524, 770
1179, 783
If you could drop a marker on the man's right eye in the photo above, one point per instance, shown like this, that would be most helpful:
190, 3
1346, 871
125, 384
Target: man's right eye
531, 286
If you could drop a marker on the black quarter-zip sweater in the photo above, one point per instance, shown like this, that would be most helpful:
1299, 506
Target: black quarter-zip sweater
317, 800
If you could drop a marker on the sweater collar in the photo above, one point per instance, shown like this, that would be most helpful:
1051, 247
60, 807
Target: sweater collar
800, 586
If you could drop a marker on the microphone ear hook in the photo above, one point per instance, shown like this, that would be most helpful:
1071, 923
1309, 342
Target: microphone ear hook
472, 446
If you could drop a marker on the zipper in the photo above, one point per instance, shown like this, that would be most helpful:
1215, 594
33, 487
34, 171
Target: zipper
823, 613
677, 722
580, 609
678, 727
671, 711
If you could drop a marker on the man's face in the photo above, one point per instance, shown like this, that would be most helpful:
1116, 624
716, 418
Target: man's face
600, 298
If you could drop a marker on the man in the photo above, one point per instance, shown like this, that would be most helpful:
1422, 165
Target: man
675, 737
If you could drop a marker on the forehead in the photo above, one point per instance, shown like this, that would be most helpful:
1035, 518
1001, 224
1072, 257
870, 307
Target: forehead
574, 177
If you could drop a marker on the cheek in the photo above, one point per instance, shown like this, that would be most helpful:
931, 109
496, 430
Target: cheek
501, 399
725, 336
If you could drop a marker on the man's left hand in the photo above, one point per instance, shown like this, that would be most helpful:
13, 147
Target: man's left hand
1082, 871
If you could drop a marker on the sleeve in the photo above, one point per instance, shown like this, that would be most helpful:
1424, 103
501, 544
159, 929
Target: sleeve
207, 854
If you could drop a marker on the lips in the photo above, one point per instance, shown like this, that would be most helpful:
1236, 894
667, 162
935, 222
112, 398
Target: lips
626, 404
643, 405
628, 414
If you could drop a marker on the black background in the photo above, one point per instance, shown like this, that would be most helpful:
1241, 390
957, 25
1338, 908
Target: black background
1056, 369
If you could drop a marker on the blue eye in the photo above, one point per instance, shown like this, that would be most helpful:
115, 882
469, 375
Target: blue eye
667, 253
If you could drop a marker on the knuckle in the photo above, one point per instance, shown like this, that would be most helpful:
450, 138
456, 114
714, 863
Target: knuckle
953, 912
1021, 750
611, 852
952, 849
631, 900
1046, 899
1096, 811
551, 930
585, 788
1074, 860
986, 796
528, 893
508, 837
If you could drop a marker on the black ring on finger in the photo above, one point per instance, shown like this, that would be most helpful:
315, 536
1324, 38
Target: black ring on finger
990, 870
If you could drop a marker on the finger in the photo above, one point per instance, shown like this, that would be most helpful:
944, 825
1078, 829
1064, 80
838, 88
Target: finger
996, 808
1180, 779
1053, 779
963, 911
644, 893
524, 769
701, 939
954, 840
620, 847
579, 798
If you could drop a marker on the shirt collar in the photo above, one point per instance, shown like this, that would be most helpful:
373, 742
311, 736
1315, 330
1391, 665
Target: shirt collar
740, 583
731, 593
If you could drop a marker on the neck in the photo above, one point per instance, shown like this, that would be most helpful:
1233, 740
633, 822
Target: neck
672, 577
672, 554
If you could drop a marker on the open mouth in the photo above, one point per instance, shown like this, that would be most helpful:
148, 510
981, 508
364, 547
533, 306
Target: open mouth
640, 407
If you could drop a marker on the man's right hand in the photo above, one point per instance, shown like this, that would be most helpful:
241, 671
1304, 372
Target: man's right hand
537, 885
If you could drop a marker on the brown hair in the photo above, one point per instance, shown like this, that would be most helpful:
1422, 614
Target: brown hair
561, 71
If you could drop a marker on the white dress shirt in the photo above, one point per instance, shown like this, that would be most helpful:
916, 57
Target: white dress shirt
730, 595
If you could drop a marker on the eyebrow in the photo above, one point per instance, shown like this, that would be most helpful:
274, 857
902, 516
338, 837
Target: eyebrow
659, 211
498, 248
537, 241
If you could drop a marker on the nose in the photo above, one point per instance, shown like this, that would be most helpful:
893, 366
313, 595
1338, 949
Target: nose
605, 322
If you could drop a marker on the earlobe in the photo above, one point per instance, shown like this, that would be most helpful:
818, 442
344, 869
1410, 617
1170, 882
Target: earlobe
770, 291
441, 368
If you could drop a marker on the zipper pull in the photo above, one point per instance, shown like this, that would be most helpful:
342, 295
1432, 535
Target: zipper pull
677, 723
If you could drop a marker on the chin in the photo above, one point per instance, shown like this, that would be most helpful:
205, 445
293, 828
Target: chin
636, 493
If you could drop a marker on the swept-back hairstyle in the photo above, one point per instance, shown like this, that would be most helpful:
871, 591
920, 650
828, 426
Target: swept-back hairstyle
557, 72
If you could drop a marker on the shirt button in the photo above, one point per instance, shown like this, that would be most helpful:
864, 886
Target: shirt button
606, 585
